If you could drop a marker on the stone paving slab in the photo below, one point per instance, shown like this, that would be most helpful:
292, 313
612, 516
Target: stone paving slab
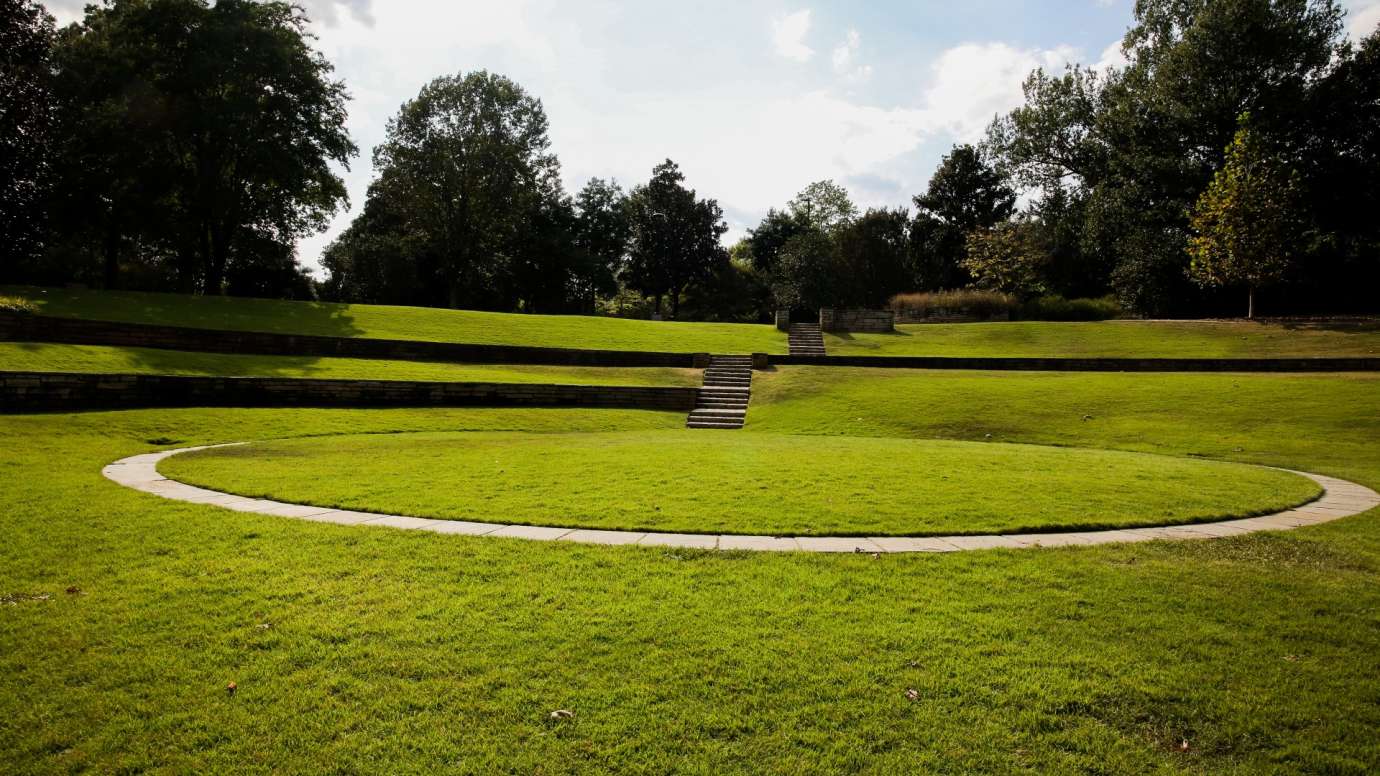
1340, 499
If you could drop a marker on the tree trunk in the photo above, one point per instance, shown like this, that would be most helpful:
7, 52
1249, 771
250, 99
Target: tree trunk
112, 256
675, 304
218, 258
1250, 302
658, 305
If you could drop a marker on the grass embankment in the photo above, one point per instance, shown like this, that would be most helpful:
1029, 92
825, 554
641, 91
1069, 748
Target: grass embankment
405, 323
1128, 339
46, 357
365, 650
696, 482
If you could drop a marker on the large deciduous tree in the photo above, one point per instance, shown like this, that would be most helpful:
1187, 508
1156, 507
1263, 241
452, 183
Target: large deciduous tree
26, 40
823, 205
1248, 225
674, 237
967, 193
469, 169
201, 131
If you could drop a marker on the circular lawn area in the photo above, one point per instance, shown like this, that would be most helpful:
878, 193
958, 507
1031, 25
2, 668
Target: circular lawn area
742, 482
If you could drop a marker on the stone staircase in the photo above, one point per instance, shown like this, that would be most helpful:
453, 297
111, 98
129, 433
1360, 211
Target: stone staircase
806, 340
723, 401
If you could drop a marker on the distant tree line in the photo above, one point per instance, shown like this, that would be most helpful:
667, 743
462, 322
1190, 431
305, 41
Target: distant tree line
184, 145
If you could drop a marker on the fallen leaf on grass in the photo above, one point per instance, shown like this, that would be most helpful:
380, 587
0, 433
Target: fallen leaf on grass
913, 694
562, 714
231, 687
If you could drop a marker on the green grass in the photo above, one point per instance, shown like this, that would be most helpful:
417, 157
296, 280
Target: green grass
406, 323
46, 357
369, 650
694, 482
1131, 339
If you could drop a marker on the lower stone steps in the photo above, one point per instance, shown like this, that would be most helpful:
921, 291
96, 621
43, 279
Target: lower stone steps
722, 401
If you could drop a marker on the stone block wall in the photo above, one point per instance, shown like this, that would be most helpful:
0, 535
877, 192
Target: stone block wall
17, 327
60, 392
1361, 364
947, 316
873, 321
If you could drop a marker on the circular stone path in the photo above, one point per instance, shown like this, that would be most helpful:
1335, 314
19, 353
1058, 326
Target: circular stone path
1340, 499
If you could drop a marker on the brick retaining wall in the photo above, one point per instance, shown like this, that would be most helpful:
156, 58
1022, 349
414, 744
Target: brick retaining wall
1091, 364
62, 391
18, 327
947, 316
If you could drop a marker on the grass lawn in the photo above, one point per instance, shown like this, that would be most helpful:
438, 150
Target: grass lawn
1136, 339
372, 650
47, 357
696, 482
406, 323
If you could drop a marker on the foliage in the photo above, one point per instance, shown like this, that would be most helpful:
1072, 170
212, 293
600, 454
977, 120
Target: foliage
735, 293
466, 167
966, 193
26, 40
1247, 225
765, 242
806, 271
873, 258
1138, 146
984, 304
16, 304
1008, 257
1056, 308
824, 206
602, 232
674, 237
179, 151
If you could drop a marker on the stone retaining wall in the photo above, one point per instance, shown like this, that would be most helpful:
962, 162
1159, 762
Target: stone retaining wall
866, 321
1091, 364
61, 391
19, 327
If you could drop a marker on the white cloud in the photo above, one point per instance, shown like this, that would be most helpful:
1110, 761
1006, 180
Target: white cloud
1363, 18
1112, 58
788, 36
845, 57
974, 82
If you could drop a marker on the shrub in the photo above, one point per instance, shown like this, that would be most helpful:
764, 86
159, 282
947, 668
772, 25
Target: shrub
1057, 308
983, 304
13, 304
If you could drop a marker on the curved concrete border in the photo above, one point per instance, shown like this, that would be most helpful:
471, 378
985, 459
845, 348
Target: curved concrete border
1340, 499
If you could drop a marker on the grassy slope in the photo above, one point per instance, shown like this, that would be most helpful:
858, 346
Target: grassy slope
45, 357
374, 650
743, 483
409, 323
1164, 339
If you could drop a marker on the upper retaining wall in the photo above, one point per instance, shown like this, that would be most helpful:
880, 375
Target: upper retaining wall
867, 321
61, 391
42, 328
1091, 364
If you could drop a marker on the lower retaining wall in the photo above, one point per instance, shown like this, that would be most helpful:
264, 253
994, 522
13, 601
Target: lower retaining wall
20, 327
1091, 364
51, 391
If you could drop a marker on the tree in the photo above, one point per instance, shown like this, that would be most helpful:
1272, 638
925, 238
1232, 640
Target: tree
1137, 146
1247, 225
469, 165
191, 128
675, 237
873, 262
26, 40
765, 242
966, 193
823, 205
806, 272
602, 233
1008, 257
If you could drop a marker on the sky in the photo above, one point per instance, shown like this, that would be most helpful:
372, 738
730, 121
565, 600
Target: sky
754, 99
